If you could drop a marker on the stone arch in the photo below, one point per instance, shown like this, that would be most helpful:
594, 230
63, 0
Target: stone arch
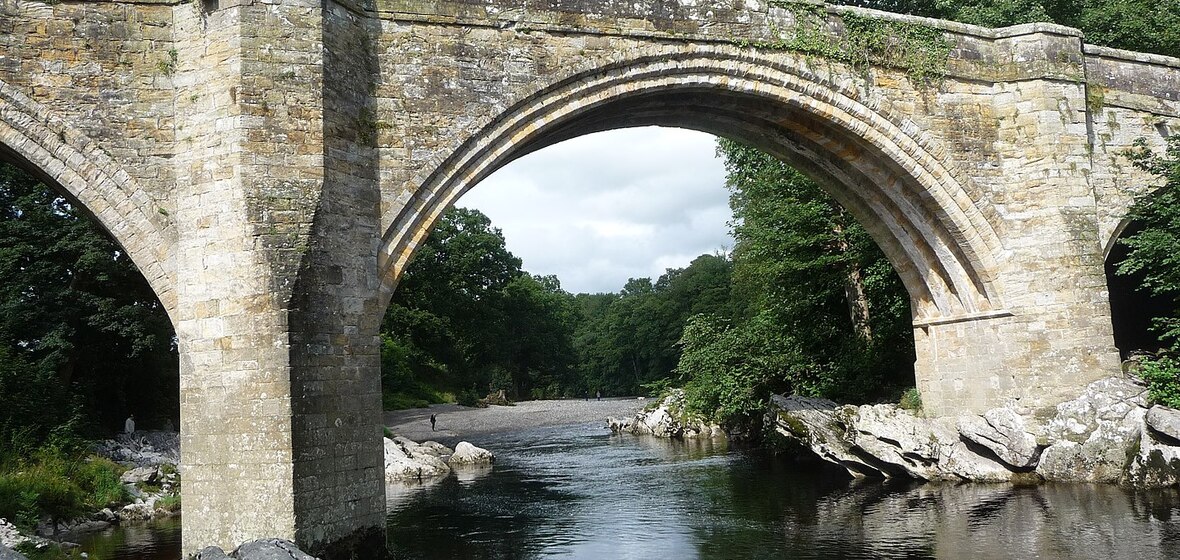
891, 177
45, 146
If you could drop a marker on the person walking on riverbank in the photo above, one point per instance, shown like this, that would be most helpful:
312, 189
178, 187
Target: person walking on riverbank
129, 425
432, 422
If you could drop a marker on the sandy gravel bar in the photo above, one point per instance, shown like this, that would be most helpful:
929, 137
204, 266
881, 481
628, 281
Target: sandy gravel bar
454, 421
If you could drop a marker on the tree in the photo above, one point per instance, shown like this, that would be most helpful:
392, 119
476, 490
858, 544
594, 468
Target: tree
821, 310
74, 309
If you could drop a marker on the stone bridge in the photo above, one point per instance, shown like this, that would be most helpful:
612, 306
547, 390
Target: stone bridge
270, 166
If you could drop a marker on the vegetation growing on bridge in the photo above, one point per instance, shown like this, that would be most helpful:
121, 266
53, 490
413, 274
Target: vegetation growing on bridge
863, 42
1154, 256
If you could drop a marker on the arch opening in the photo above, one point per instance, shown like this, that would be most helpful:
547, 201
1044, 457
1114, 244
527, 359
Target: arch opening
907, 199
1132, 306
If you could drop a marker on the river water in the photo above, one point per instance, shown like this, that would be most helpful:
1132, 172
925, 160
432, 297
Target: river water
578, 492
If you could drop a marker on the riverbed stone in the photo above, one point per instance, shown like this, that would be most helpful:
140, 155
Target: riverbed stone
404, 464
139, 475
10, 554
270, 549
468, 454
1002, 431
1165, 422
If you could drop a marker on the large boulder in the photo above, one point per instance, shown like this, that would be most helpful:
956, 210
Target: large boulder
405, 463
1106, 434
261, 549
1092, 436
1002, 431
881, 441
668, 420
467, 454
1165, 422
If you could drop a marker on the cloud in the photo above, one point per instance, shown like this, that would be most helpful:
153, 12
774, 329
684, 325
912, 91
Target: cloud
605, 207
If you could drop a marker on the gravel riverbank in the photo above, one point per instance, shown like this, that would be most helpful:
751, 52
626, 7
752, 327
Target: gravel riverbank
454, 421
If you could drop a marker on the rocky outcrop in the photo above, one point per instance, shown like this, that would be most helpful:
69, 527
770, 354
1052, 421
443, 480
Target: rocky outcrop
668, 420
10, 536
142, 449
261, 549
406, 460
467, 454
1108, 434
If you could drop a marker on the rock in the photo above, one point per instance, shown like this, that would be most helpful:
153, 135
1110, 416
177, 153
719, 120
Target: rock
404, 462
467, 454
436, 449
142, 449
211, 553
1002, 431
1092, 436
270, 549
668, 420
881, 441
10, 536
1155, 464
9, 554
1165, 422
139, 475
618, 425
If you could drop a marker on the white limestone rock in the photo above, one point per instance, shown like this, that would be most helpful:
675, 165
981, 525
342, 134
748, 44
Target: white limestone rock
1165, 422
467, 454
1092, 436
402, 463
1002, 431
1155, 464
668, 420
139, 475
10, 536
823, 427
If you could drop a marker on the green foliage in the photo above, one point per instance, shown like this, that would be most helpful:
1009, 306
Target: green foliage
1154, 252
82, 336
1125, 24
818, 310
170, 504
57, 480
1162, 375
910, 400
920, 50
627, 342
467, 320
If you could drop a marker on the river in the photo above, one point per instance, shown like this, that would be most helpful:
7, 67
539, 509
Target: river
578, 492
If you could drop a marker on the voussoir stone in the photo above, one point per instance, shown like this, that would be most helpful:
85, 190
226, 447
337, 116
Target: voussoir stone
1002, 431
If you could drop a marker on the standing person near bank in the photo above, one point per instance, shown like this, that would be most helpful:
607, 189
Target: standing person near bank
129, 425
432, 422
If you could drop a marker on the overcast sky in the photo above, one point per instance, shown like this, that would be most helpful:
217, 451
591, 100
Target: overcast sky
602, 208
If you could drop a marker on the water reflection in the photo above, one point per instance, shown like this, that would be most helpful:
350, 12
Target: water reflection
577, 492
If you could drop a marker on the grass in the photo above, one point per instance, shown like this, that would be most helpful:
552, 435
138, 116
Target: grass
911, 400
417, 395
57, 483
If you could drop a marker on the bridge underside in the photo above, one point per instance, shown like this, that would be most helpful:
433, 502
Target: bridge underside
272, 166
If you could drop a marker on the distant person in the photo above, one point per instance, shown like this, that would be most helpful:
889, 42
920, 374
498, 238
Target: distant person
432, 422
168, 427
129, 425
598, 395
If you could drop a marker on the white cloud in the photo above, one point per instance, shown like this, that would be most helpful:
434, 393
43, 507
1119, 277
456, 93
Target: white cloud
605, 207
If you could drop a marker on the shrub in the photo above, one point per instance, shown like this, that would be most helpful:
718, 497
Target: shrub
911, 400
1162, 375
58, 482
170, 504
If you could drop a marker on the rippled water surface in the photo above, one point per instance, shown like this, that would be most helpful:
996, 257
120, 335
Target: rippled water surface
577, 492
